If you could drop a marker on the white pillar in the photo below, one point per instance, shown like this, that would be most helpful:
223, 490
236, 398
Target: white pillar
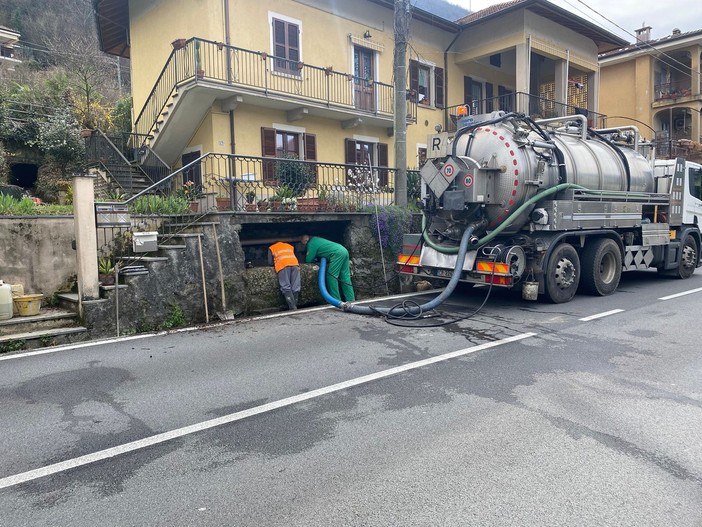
593, 95
86, 237
523, 76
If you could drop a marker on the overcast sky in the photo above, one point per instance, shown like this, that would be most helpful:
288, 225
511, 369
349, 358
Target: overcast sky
661, 15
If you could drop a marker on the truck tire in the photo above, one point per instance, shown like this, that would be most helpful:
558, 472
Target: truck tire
562, 274
688, 257
601, 267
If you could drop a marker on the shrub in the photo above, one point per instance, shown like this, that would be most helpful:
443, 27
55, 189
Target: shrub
388, 226
159, 205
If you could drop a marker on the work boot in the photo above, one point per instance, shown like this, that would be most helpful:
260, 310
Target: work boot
290, 299
296, 296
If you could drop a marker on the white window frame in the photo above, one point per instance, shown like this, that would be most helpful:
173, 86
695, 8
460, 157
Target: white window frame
277, 16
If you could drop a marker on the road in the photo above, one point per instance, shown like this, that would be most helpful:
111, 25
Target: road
524, 414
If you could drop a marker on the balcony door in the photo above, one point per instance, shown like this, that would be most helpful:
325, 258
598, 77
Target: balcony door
364, 90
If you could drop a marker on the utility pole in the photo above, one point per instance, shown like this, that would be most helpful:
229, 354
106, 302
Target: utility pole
402, 24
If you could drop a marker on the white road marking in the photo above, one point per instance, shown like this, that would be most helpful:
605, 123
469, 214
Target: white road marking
600, 315
670, 297
89, 343
237, 416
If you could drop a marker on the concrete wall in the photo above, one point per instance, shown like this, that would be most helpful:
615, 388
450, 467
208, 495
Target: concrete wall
38, 253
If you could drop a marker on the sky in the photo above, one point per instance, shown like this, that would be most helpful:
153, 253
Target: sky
661, 15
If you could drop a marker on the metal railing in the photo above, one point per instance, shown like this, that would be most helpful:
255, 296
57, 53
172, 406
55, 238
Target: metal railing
197, 60
536, 107
267, 184
672, 90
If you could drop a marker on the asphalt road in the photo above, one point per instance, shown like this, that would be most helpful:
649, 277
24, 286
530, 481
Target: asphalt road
524, 414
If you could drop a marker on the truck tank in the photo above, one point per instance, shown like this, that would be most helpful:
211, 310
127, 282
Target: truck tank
512, 158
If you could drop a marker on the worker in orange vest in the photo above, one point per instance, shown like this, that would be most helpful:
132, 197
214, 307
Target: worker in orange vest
282, 256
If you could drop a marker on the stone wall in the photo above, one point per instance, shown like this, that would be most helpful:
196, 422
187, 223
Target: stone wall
37, 252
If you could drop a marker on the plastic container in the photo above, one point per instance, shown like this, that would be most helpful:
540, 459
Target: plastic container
28, 305
17, 290
5, 301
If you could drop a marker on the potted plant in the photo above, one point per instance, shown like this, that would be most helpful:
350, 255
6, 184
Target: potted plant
284, 199
294, 175
323, 200
223, 202
263, 205
191, 193
250, 198
106, 271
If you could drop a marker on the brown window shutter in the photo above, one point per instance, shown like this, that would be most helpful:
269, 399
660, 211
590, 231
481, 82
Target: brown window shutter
268, 150
467, 90
350, 152
310, 141
382, 162
414, 79
439, 84
489, 94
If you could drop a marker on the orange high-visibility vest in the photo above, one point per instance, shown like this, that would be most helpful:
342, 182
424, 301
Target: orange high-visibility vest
283, 255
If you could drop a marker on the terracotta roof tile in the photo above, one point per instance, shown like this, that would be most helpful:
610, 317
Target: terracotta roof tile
487, 12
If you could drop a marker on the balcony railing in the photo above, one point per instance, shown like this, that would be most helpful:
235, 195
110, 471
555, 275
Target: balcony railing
672, 90
260, 73
245, 183
536, 107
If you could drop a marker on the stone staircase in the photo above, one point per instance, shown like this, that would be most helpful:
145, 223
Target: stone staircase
61, 325
51, 327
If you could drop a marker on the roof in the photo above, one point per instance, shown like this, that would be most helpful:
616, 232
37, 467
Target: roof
112, 19
605, 40
652, 43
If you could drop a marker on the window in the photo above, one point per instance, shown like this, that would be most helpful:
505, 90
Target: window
286, 47
366, 153
427, 84
282, 143
696, 182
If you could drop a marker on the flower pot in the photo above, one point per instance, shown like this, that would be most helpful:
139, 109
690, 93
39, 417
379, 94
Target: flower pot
179, 43
200, 74
250, 207
106, 279
86, 133
307, 204
223, 203
194, 206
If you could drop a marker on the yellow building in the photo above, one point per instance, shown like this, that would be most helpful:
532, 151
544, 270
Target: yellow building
655, 84
251, 82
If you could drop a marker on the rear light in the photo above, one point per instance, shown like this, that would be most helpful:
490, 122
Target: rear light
407, 269
498, 280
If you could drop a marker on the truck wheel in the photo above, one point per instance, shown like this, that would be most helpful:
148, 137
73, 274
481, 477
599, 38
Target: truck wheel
602, 267
688, 257
562, 274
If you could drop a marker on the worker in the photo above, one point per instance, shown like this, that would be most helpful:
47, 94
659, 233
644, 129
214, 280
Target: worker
282, 257
338, 273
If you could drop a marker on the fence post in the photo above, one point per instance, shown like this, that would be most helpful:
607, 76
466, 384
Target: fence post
86, 237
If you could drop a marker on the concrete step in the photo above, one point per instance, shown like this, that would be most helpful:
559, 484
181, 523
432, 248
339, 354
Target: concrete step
68, 301
167, 247
48, 318
42, 338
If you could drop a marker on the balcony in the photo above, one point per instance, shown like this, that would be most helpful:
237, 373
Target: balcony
215, 71
672, 92
538, 108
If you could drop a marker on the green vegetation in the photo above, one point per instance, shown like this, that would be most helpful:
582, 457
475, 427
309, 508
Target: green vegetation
10, 206
176, 318
294, 175
159, 205
388, 226
11, 346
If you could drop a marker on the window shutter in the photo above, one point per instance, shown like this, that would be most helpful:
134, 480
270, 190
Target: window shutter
467, 90
310, 146
489, 95
382, 162
268, 150
350, 147
414, 79
439, 87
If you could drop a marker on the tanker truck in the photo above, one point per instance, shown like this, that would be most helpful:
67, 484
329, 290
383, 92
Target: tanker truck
553, 208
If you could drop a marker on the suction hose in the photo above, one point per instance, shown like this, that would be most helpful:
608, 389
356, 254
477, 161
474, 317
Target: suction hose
399, 311
503, 225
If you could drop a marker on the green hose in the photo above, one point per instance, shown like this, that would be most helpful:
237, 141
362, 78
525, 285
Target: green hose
504, 224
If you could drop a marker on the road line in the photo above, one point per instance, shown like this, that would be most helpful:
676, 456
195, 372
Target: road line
237, 416
600, 315
670, 297
100, 342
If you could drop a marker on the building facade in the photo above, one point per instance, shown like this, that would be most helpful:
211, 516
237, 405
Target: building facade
655, 84
314, 79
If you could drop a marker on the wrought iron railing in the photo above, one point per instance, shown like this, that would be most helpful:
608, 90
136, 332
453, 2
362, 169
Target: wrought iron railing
536, 107
256, 71
266, 184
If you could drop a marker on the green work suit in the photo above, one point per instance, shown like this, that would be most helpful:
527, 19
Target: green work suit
338, 272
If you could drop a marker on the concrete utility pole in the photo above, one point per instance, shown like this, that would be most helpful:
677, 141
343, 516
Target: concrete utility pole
402, 24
